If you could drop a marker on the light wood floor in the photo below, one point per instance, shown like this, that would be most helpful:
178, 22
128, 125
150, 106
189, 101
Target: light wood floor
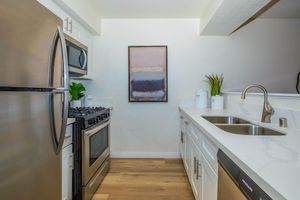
145, 179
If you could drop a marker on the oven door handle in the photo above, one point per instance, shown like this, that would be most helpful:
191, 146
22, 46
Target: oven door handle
94, 130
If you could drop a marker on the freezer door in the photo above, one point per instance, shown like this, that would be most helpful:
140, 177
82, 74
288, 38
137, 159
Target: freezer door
27, 34
30, 167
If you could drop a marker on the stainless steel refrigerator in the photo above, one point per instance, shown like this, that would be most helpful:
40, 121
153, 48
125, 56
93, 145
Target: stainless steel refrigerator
33, 101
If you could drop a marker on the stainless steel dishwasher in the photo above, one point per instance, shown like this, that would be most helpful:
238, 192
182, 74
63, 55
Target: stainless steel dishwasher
235, 184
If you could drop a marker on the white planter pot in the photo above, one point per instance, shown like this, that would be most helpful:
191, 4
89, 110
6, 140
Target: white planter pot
75, 104
217, 102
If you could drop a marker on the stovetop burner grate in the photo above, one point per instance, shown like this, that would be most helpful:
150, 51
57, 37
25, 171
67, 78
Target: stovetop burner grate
84, 111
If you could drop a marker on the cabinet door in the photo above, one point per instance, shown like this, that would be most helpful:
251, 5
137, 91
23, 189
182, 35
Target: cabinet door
196, 171
210, 182
186, 152
67, 172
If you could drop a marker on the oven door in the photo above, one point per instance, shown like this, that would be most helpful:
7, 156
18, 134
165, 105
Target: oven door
95, 149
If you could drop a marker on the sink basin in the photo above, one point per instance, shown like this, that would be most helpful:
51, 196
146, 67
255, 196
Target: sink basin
249, 129
225, 120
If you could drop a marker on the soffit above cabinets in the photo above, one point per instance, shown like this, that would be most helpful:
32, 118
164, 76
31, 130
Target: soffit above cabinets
152, 9
217, 17
284, 9
226, 16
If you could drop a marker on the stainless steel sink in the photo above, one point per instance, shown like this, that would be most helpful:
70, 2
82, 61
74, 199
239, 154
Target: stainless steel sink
249, 129
225, 120
240, 126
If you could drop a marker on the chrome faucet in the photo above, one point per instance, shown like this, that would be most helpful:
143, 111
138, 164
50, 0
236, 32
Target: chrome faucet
268, 110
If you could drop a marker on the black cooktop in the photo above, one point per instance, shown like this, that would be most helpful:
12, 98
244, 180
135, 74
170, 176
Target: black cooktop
90, 115
85, 111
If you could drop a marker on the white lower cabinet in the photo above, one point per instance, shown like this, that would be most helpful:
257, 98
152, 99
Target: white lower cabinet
67, 172
210, 182
202, 175
196, 171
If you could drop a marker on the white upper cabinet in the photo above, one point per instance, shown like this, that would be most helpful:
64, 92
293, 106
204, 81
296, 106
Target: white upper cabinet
84, 12
74, 29
75, 14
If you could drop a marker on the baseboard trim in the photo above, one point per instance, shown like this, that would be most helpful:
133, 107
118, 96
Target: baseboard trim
145, 154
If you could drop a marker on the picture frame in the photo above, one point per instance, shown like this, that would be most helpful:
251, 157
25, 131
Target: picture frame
148, 73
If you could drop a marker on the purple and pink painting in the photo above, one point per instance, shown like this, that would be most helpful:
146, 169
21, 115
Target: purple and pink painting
148, 74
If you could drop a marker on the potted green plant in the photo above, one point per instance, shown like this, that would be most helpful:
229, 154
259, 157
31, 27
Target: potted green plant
216, 81
77, 92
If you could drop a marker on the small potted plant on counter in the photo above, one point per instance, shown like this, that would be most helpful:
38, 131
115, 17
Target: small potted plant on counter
215, 82
77, 92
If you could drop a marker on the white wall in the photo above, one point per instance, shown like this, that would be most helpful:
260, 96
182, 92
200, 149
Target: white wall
266, 52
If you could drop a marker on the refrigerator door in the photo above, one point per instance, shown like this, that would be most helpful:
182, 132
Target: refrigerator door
27, 33
30, 167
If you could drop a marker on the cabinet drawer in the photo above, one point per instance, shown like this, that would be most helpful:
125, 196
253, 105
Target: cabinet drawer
68, 136
210, 151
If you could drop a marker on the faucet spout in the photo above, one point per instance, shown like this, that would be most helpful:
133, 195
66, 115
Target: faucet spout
268, 110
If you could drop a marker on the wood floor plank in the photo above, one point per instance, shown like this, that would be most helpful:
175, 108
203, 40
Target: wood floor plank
145, 179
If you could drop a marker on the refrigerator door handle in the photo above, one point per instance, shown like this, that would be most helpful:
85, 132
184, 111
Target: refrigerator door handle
58, 142
59, 36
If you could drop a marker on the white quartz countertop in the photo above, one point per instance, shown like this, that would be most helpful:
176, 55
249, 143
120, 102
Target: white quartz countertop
273, 162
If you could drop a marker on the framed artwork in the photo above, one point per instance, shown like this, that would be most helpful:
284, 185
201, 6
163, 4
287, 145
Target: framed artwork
148, 73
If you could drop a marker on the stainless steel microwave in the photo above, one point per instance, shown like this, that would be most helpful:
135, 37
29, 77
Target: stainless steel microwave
77, 57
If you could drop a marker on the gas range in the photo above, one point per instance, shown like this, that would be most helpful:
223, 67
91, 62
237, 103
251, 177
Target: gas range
90, 115
91, 139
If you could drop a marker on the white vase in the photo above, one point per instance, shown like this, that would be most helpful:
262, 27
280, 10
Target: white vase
201, 99
76, 103
217, 102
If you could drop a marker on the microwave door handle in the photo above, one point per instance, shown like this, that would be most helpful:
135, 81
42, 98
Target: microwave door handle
85, 59
58, 143
79, 59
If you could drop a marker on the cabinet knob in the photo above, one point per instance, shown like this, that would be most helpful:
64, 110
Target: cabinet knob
283, 122
187, 123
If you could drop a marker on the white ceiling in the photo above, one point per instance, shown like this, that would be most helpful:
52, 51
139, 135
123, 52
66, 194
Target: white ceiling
151, 8
180, 8
284, 9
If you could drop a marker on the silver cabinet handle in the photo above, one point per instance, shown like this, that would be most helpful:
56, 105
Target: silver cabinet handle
70, 22
195, 165
198, 175
66, 27
181, 134
58, 143
71, 161
85, 59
